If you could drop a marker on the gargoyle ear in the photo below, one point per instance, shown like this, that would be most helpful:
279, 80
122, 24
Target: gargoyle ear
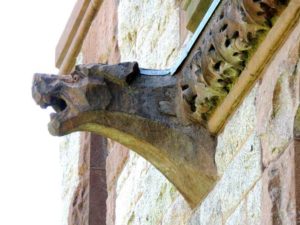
81, 70
121, 74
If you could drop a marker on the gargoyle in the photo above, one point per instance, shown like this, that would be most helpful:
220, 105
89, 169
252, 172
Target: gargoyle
160, 117
140, 112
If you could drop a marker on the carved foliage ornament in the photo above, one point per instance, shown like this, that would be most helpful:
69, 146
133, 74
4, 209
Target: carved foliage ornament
232, 36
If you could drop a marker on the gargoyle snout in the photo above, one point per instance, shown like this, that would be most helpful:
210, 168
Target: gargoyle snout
40, 79
40, 88
35, 91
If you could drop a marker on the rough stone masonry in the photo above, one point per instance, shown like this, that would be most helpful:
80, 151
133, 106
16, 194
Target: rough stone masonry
247, 138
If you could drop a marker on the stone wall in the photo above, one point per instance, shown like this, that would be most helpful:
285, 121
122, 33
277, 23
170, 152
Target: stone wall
255, 150
148, 32
238, 159
69, 160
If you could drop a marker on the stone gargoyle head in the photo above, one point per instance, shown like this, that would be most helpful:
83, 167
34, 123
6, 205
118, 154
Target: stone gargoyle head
82, 91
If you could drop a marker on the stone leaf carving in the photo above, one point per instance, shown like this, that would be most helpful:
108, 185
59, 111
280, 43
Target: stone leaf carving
227, 44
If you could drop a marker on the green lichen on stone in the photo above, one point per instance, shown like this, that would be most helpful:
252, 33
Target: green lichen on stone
168, 191
131, 219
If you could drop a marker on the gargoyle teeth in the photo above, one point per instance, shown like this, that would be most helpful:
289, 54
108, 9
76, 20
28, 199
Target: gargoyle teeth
52, 116
44, 105
44, 101
56, 108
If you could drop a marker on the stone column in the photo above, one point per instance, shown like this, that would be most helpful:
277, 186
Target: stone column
107, 157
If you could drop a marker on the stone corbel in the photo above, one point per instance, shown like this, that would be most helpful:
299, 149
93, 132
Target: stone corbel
140, 112
167, 119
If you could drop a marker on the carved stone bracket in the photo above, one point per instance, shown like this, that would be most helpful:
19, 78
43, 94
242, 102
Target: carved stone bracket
139, 112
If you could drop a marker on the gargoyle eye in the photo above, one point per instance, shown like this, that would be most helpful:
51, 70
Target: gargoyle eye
76, 77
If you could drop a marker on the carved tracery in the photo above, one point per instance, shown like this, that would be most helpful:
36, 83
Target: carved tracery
226, 46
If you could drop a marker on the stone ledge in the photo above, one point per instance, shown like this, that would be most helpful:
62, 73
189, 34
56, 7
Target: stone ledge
195, 11
74, 34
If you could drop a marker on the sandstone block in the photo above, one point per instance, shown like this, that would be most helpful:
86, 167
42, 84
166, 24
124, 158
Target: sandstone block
117, 157
69, 158
279, 205
254, 201
239, 216
278, 98
143, 193
238, 179
241, 175
236, 132
154, 43
178, 213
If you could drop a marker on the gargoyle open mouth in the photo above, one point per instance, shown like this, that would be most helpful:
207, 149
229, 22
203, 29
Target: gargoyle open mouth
47, 91
57, 103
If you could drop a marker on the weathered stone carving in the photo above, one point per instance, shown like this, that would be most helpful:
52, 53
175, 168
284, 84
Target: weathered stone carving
138, 111
159, 117
229, 41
